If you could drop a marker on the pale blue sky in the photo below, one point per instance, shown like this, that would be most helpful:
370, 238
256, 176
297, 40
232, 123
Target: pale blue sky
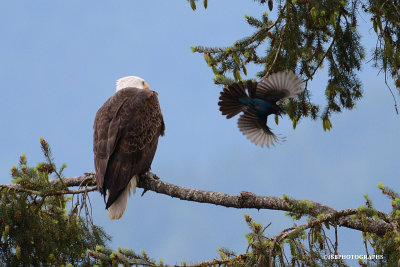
59, 63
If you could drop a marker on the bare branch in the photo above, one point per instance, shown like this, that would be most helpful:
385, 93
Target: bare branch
246, 200
394, 99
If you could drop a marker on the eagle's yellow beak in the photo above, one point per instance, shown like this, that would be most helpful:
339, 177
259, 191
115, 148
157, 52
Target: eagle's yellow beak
146, 86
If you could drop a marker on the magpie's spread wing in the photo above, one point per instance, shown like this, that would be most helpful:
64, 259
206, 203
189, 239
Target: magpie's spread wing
279, 86
256, 130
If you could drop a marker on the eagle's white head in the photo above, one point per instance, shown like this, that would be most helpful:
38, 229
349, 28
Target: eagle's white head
132, 81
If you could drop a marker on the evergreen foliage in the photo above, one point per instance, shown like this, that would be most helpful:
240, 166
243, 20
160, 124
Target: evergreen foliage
306, 36
37, 229
310, 244
125, 256
41, 224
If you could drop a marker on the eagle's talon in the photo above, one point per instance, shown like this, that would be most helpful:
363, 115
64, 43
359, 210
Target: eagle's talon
144, 191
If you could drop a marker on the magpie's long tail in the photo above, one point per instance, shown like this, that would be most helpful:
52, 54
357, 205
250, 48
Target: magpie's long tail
229, 103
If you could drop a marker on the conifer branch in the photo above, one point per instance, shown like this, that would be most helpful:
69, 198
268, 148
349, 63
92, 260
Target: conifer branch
19, 188
246, 200
263, 30
47, 153
298, 229
278, 51
322, 59
215, 262
336, 214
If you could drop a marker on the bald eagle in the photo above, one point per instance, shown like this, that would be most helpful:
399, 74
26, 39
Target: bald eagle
263, 99
126, 131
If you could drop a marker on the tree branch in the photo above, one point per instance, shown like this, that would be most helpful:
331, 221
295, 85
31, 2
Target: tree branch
246, 200
278, 51
55, 193
285, 233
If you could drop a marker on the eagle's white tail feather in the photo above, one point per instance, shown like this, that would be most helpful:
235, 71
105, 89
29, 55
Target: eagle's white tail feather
117, 209
133, 184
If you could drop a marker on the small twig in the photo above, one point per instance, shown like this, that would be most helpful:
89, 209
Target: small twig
306, 91
91, 209
282, 260
47, 155
326, 239
394, 99
395, 7
265, 227
336, 240
301, 245
383, 4
366, 246
322, 60
40, 204
74, 192
276, 54
274, 243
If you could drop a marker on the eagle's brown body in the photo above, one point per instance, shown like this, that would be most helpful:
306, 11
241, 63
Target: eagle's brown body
126, 131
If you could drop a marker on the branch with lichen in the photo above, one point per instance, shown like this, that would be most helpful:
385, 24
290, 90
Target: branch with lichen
246, 200
34, 184
35, 181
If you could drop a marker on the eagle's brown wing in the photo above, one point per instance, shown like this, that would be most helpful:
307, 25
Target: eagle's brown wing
126, 131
